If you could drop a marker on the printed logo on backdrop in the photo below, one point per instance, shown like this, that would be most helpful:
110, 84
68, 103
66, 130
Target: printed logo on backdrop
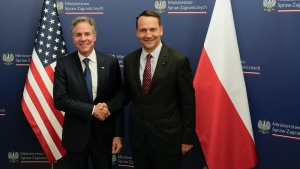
160, 6
250, 69
27, 157
264, 126
59, 6
13, 156
18, 59
284, 6
8, 58
2, 112
76, 8
120, 59
269, 5
114, 159
122, 161
278, 129
180, 7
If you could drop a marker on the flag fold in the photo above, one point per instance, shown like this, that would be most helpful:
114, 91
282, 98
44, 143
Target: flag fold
37, 101
223, 122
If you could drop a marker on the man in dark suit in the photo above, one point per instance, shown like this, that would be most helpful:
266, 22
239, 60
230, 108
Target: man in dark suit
162, 115
86, 132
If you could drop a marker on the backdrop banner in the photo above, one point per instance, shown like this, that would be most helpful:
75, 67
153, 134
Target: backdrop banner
268, 39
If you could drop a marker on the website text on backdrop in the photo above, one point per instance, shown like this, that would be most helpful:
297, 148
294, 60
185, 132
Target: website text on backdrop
223, 122
162, 112
79, 86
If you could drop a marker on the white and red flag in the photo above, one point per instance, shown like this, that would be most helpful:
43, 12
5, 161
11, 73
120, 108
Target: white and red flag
223, 122
37, 101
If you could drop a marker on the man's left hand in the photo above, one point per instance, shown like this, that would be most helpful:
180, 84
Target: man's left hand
116, 145
185, 148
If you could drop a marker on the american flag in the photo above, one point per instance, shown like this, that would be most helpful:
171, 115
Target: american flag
37, 102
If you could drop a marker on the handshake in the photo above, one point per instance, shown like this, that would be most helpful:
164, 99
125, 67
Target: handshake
101, 111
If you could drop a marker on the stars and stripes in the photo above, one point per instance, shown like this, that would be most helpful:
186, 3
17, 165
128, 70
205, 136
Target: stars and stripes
37, 102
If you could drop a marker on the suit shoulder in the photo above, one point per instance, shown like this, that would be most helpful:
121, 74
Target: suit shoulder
173, 52
106, 56
68, 57
176, 52
133, 54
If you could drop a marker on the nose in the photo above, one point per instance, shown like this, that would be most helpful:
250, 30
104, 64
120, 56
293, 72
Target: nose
82, 38
148, 34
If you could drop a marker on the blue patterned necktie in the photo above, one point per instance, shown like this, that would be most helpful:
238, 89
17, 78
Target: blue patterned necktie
88, 77
147, 76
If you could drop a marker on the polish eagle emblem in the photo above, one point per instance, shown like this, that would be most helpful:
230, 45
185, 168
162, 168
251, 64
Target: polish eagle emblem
160, 6
60, 6
8, 58
264, 126
13, 156
269, 5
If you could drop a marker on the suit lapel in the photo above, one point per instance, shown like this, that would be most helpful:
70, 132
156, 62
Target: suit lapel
101, 70
78, 72
136, 71
161, 62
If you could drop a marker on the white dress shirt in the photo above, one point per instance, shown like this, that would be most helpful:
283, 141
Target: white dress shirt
155, 54
93, 68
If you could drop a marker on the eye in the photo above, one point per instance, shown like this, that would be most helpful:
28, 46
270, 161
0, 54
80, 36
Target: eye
142, 30
153, 30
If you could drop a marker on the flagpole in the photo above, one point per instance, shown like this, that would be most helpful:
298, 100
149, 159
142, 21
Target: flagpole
51, 165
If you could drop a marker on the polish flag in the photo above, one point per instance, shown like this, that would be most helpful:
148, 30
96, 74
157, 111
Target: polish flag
223, 122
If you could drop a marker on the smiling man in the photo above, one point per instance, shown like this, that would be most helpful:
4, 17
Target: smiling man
82, 80
158, 81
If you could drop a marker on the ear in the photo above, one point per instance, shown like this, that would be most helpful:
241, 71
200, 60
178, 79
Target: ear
161, 30
136, 33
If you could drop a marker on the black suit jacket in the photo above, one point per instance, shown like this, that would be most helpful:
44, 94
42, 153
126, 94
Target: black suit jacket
71, 96
167, 116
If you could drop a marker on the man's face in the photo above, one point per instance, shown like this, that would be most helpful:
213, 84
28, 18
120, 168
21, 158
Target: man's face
84, 38
149, 32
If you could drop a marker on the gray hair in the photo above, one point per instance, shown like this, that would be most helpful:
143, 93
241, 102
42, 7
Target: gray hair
79, 19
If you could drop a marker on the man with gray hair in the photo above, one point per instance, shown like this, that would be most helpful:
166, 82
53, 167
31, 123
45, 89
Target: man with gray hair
82, 80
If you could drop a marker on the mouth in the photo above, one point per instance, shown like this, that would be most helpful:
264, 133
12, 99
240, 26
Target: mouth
148, 40
83, 45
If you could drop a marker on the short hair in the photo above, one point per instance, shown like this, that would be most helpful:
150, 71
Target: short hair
79, 19
148, 13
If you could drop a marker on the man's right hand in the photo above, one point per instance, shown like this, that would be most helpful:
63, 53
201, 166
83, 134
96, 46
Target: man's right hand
101, 111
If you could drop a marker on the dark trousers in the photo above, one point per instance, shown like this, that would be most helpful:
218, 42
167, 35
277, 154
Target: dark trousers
100, 160
146, 158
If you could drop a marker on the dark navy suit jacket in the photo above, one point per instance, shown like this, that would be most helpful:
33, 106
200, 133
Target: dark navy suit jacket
166, 117
71, 96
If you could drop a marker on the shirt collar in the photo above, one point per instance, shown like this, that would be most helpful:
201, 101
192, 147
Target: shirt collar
155, 53
92, 56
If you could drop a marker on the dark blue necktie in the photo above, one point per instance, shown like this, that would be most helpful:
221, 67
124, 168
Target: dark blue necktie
88, 77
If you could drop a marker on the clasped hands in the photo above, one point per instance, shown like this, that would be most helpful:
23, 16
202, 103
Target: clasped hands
101, 111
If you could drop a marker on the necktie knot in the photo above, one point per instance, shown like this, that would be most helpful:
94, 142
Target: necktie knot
86, 61
149, 56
